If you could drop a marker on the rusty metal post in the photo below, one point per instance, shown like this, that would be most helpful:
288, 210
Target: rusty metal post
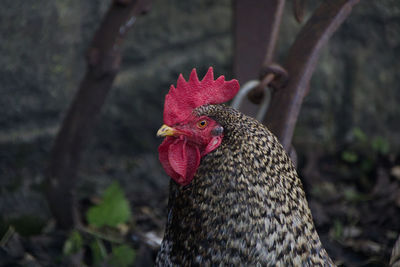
300, 64
104, 58
256, 31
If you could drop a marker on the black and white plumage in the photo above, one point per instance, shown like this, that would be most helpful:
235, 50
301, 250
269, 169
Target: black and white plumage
245, 206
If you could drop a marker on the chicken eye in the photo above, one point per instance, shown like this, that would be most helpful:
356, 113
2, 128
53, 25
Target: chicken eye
202, 124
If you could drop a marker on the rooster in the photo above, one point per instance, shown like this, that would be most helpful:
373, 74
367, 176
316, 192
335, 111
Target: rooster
235, 198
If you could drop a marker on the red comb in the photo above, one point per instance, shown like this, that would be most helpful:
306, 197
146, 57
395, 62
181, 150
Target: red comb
180, 101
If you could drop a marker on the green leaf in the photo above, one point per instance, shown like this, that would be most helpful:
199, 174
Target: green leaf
380, 145
349, 156
354, 196
73, 244
122, 256
367, 165
114, 208
359, 135
337, 229
99, 252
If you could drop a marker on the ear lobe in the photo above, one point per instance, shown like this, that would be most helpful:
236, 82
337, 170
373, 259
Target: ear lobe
217, 131
212, 145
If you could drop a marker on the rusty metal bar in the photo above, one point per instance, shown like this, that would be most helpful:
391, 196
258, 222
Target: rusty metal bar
298, 10
104, 59
300, 64
271, 75
256, 32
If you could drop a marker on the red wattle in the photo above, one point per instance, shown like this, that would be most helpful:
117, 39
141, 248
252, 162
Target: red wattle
180, 159
163, 157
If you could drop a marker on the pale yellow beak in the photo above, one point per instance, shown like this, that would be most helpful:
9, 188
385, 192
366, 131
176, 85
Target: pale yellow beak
165, 130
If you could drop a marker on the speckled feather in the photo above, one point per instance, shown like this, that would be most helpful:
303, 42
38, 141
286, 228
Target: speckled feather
245, 206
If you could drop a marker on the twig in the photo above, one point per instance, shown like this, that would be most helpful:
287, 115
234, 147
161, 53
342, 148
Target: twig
7, 236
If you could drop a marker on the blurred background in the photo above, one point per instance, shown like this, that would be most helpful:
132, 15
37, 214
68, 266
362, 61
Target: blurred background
347, 137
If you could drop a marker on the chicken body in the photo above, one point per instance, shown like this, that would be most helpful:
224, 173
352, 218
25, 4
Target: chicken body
245, 206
